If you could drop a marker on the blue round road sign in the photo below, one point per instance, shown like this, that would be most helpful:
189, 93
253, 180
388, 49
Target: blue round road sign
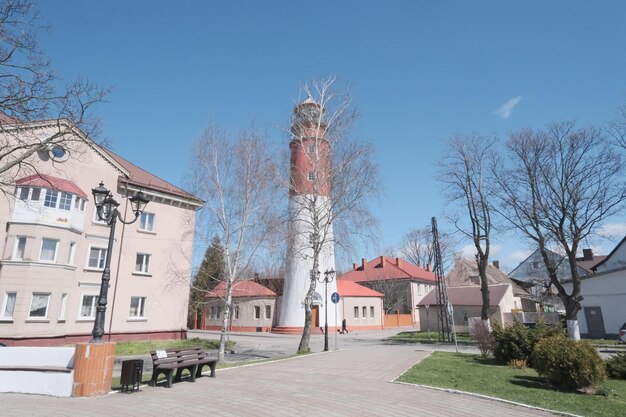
334, 297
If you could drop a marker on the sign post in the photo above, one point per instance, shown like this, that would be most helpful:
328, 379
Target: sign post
334, 297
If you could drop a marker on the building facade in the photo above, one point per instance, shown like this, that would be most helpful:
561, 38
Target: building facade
310, 220
53, 248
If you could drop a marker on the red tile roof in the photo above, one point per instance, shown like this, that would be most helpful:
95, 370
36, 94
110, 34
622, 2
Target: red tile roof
352, 289
241, 289
141, 177
384, 268
47, 181
468, 296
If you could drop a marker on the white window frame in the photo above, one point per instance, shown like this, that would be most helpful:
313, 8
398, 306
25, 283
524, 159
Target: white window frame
356, 312
311, 148
144, 222
102, 250
54, 195
94, 306
144, 268
20, 191
311, 176
268, 312
257, 312
364, 310
31, 194
56, 250
15, 256
141, 308
96, 219
372, 312
30, 307
5, 303
63, 196
236, 313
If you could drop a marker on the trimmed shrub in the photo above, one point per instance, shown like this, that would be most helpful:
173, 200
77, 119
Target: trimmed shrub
483, 338
568, 364
517, 341
616, 366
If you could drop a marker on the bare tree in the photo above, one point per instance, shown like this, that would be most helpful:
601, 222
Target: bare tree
235, 178
417, 247
464, 171
29, 97
557, 186
397, 294
329, 204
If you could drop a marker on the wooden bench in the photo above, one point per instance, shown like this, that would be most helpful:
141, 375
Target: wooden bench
179, 359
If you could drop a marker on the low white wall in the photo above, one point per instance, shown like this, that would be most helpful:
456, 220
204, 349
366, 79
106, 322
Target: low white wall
58, 384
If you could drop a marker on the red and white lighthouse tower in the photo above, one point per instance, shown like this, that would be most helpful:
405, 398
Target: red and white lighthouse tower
310, 221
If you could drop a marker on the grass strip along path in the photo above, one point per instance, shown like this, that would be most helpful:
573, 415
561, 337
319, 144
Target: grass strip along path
471, 373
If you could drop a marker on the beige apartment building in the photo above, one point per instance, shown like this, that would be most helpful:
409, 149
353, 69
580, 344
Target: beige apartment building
53, 246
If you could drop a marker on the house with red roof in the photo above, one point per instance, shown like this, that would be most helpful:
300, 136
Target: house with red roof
53, 245
254, 307
402, 283
360, 306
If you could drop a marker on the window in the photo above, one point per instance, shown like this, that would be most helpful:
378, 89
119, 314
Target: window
146, 222
63, 306
88, 306
236, 312
268, 312
218, 312
23, 193
212, 313
535, 265
20, 246
97, 258
39, 305
356, 312
8, 305
311, 175
36, 194
465, 318
65, 203
257, 312
371, 312
96, 218
364, 312
82, 205
51, 199
142, 263
137, 307
311, 149
72, 253
419, 289
48, 250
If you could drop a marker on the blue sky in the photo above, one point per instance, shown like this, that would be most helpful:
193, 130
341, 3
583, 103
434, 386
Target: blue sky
419, 72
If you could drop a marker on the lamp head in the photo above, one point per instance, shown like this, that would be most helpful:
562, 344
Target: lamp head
138, 202
99, 194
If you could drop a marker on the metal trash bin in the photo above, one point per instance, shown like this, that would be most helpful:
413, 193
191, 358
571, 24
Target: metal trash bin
132, 372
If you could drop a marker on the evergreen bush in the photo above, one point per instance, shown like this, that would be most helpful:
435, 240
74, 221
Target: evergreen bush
616, 366
517, 341
568, 364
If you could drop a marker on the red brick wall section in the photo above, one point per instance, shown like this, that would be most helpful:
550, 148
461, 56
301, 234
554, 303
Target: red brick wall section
93, 369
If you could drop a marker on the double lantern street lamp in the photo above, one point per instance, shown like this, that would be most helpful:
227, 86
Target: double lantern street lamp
106, 207
329, 275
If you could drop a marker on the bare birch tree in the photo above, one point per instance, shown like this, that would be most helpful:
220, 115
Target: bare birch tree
235, 178
417, 247
557, 186
331, 205
464, 172
31, 96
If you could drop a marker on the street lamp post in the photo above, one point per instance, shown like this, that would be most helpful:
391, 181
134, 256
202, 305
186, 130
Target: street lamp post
328, 277
106, 207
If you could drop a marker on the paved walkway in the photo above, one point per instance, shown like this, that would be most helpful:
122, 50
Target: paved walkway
350, 382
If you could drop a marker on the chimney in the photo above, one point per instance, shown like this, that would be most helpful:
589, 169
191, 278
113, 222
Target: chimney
382, 261
354, 267
428, 266
587, 255
496, 264
398, 262
363, 264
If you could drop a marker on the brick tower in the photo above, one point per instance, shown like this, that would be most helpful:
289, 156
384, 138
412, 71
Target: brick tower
309, 213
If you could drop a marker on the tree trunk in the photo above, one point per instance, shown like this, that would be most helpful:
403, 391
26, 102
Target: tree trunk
225, 329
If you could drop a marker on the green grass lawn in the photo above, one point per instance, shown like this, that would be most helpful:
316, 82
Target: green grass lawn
423, 337
145, 346
473, 374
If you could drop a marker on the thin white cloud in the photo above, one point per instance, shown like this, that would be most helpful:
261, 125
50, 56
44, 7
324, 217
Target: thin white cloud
506, 110
610, 230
